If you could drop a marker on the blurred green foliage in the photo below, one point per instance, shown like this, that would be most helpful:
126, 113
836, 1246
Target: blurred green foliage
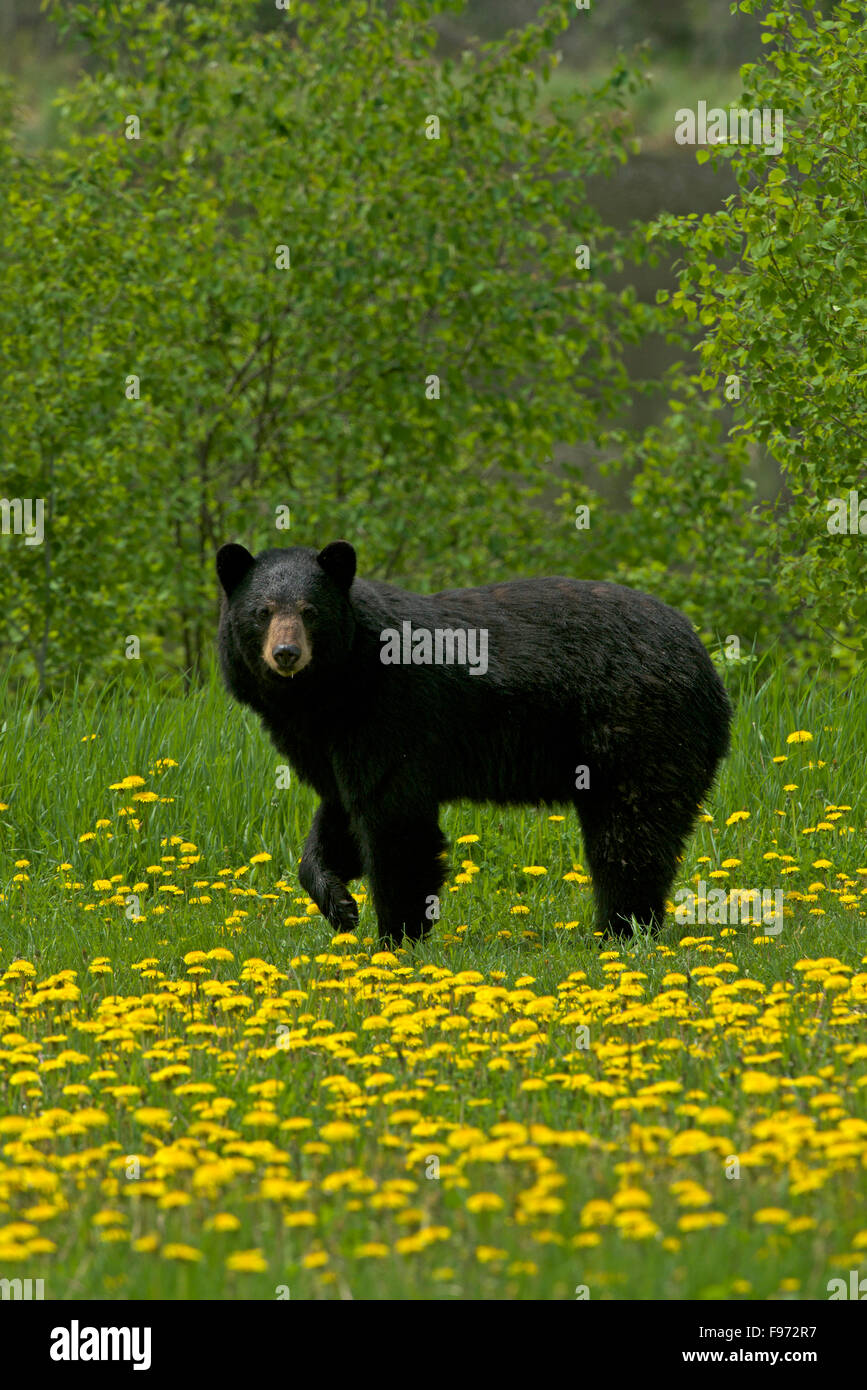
313, 273
777, 280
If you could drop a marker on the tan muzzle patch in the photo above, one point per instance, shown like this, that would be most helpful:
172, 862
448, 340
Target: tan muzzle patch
286, 631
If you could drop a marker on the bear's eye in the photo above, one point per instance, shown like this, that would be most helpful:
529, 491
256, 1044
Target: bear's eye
310, 612
263, 611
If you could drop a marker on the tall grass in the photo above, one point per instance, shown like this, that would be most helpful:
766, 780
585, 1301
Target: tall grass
707, 1044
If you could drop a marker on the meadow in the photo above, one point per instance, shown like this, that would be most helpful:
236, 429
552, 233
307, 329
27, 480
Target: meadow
204, 1093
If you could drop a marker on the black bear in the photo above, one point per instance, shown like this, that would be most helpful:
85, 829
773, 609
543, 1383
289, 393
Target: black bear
389, 703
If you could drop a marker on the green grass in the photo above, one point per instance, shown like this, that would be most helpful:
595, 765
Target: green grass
139, 1102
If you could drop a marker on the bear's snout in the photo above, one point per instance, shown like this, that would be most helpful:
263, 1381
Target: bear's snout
286, 648
286, 656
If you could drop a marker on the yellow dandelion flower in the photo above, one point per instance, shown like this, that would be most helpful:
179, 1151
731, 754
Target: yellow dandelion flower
223, 1222
758, 1083
186, 1253
630, 1197
247, 1261
597, 1213
771, 1216
108, 1218
315, 1260
701, 1220
485, 1201
691, 1141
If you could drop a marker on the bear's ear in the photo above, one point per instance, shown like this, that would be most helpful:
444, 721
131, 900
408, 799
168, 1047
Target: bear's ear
338, 562
233, 562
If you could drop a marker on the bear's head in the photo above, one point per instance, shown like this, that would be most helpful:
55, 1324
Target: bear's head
288, 611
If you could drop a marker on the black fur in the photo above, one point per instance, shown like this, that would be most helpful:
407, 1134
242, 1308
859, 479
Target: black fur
579, 673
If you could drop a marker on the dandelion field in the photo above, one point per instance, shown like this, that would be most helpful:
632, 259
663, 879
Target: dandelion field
207, 1095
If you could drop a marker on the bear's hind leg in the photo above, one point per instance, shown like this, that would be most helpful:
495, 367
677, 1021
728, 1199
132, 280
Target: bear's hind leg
632, 845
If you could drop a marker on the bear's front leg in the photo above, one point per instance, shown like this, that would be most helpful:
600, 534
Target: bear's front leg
331, 857
405, 865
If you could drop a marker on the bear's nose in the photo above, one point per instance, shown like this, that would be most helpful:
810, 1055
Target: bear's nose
286, 656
